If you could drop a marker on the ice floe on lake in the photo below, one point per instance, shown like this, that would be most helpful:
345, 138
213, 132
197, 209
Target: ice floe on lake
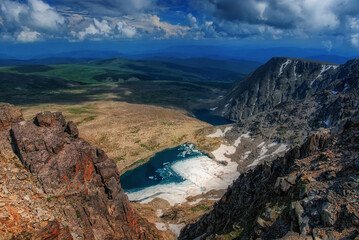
201, 174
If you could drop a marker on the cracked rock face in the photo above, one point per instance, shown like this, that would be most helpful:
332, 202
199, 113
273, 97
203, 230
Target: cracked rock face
68, 167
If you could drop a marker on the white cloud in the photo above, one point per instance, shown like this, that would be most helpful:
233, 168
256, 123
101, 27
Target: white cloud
11, 10
126, 30
151, 26
229, 19
102, 27
90, 30
300, 19
44, 16
26, 35
168, 29
355, 40
354, 24
328, 45
95, 30
34, 14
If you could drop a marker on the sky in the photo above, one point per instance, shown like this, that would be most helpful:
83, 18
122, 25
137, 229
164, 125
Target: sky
329, 24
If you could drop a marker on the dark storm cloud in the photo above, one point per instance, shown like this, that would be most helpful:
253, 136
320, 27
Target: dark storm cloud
282, 14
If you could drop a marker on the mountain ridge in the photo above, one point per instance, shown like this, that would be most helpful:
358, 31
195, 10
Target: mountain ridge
301, 195
279, 80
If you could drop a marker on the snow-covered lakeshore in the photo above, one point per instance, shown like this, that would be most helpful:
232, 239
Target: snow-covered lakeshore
201, 174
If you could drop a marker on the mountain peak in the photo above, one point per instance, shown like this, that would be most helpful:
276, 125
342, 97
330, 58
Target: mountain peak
280, 80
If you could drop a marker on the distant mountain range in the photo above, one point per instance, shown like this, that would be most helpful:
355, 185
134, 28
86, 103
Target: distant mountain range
88, 70
43, 61
330, 58
194, 51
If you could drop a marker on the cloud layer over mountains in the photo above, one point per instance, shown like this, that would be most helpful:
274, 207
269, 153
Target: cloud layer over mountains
34, 20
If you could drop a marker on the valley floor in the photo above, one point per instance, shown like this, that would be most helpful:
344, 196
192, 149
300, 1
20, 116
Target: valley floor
132, 133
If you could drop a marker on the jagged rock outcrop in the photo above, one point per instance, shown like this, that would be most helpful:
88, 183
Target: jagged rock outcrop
310, 193
80, 177
339, 99
9, 114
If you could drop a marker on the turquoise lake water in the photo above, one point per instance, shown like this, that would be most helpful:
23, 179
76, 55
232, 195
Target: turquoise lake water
158, 169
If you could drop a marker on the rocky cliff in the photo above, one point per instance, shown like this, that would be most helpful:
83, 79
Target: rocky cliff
310, 193
78, 184
278, 81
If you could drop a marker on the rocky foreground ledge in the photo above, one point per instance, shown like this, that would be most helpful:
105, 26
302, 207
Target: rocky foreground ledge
310, 193
73, 182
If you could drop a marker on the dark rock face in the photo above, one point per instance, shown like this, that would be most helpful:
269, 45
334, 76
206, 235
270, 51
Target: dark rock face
292, 197
9, 114
69, 167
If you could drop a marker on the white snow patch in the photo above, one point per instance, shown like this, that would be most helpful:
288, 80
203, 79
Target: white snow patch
323, 70
264, 150
219, 133
212, 109
226, 105
283, 66
245, 155
334, 92
280, 149
161, 226
176, 228
261, 144
195, 201
345, 87
214, 199
222, 151
272, 145
159, 213
239, 139
327, 122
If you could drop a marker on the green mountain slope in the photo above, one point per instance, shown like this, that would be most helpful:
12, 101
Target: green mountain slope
120, 70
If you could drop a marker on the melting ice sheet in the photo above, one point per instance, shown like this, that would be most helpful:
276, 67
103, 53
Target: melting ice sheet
198, 172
